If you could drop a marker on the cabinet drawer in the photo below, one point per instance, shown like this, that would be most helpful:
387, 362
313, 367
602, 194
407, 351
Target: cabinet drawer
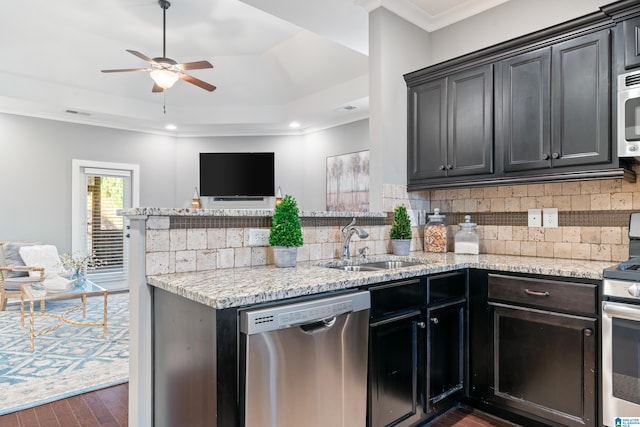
446, 286
396, 296
544, 293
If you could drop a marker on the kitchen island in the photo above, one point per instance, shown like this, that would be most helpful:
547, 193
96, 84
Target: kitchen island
221, 289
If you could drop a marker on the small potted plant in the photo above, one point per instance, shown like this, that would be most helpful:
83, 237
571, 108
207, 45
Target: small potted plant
286, 233
400, 232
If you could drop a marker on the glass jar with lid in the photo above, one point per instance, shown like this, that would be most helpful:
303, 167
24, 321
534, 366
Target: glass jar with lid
466, 240
435, 233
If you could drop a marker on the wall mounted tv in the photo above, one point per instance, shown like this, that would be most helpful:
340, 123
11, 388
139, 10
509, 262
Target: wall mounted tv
237, 176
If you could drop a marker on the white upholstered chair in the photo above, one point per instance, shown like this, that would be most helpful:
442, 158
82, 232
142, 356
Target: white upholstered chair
14, 271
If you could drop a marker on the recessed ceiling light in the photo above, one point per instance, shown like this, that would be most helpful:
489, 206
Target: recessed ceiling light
171, 127
294, 125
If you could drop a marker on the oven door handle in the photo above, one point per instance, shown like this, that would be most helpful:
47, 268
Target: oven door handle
624, 311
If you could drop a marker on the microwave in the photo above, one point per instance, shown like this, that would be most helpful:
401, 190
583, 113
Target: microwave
629, 115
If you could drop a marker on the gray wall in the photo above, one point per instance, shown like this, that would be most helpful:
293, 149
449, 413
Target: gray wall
35, 169
36, 154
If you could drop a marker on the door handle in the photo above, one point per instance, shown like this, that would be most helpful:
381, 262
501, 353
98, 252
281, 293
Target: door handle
555, 155
434, 320
545, 156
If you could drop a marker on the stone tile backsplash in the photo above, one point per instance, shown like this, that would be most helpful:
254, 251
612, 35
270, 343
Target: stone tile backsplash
199, 249
593, 216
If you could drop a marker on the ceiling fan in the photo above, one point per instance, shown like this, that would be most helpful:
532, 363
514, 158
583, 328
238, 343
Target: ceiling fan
165, 71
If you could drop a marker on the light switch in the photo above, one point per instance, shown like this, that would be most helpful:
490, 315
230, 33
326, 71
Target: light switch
550, 217
535, 217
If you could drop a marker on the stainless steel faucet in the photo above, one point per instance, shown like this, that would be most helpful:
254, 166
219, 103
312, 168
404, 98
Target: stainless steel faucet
347, 232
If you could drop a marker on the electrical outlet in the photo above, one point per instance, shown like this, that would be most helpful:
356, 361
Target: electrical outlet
550, 217
258, 237
535, 217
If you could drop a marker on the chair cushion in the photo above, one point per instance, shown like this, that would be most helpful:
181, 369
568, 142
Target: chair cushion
42, 256
14, 283
12, 258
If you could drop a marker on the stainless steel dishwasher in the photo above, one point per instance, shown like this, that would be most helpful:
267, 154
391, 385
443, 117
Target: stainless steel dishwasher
305, 363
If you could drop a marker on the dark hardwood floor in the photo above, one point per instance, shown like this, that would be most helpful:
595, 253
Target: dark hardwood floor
467, 417
109, 408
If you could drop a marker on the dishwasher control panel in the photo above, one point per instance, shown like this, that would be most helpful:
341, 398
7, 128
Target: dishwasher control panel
300, 313
314, 314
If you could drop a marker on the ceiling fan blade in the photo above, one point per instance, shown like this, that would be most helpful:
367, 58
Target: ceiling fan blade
198, 65
142, 56
124, 70
157, 88
197, 82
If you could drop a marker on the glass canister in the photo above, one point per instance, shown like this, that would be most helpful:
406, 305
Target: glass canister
435, 233
466, 240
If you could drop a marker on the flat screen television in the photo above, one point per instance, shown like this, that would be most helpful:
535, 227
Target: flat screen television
237, 175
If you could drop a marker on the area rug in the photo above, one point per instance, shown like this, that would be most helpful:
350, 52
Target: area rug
68, 361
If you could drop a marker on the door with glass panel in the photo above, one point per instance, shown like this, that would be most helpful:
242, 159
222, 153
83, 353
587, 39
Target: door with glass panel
99, 230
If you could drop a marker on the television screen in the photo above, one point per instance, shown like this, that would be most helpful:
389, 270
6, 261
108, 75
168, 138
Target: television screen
237, 174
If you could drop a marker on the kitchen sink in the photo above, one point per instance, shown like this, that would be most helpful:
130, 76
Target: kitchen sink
355, 268
389, 265
375, 265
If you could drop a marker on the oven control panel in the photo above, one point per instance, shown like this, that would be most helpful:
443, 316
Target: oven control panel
621, 289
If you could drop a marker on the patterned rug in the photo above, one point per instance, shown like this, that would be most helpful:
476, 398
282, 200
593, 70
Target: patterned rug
69, 361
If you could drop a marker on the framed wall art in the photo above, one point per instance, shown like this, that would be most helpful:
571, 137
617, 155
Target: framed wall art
348, 182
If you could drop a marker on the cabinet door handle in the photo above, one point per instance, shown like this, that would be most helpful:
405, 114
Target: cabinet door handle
545, 156
555, 155
434, 320
536, 293
449, 167
441, 167
588, 332
421, 325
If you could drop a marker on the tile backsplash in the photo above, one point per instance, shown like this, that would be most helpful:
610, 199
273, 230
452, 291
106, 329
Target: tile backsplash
593, 216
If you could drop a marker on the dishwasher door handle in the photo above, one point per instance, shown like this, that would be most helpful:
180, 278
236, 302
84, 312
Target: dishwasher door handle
322, 325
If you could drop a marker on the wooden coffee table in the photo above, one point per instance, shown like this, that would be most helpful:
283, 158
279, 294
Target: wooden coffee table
31, 295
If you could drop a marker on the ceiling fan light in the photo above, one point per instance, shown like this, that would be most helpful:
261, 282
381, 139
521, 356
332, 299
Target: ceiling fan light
164, 78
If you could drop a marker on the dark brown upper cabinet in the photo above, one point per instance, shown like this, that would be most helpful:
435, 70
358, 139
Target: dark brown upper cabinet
631, 34
555, 105
533, 109
451, 125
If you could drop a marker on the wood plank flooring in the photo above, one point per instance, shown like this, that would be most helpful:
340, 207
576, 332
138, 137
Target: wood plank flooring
467, 417
109, 408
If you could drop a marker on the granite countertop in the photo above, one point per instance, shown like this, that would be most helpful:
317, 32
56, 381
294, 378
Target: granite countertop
235, 287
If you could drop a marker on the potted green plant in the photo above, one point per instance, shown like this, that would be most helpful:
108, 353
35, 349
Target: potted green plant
286, 233
400, 232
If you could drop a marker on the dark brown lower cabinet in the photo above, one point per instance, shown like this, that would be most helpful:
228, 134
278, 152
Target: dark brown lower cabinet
445, 356
544, 361
416, 349
393, 371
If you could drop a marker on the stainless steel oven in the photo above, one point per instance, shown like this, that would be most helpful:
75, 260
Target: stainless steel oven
629, 115
621, 352
621, 336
